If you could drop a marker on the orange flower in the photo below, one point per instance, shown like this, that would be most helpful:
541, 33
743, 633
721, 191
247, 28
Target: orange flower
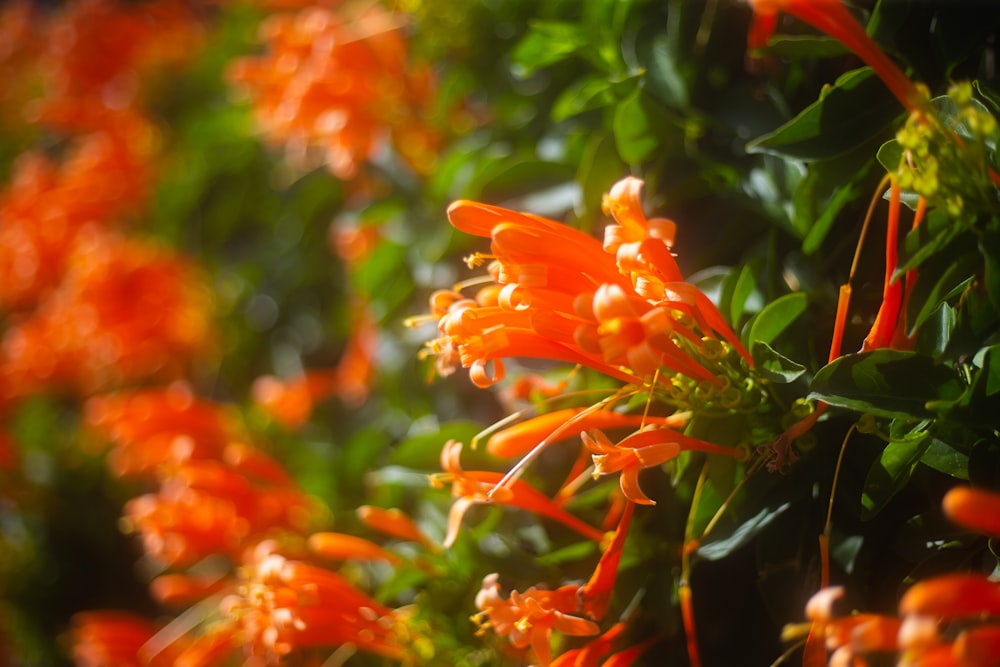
48, 208
332, 85
832, 18
960, 595
477, 487
975, 509
103, 638
648, 448
392, 522
340, 546
521, 438
99, 50
529, 618
205, 507
125, 311
283, 605
620, 308
153, 427
596, 594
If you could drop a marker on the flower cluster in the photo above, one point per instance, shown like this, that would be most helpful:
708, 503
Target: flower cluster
947, 620
229, 535
621, 308
331, 87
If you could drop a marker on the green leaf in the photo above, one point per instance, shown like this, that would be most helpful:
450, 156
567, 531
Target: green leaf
805, 47
889, 474
980, 403
633, 128
854, 110
548, 42
776, 317
590, 93
935, 333
890, 155
989, 246
927, 240
568, 554
743, 534
944, 458
773, 365
941, 276
743, 287
663, 77
423, 450
887, 383
600, 166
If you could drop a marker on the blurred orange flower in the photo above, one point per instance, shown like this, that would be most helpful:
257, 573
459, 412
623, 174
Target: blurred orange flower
150, 428
332, 86
125, 311
282, 605
47, 208
100, 51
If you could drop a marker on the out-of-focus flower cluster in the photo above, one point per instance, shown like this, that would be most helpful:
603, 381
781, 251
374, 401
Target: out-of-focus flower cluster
228, 536
334, 86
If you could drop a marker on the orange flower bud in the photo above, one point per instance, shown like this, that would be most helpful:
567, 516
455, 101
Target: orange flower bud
974, 509
952, 596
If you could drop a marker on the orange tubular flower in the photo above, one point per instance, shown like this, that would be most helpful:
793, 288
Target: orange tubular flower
283, 605
974, 509
103, 638
952, 596
333, 85
620, 307
340, 546
477, 487
521, 438
649, 448
529, 618
392, 522
832, 18
596, 594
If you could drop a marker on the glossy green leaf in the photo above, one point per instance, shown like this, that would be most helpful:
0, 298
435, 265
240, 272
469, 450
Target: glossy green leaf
889, 474
944, 458
743, 534
635, 135
927, 240
887, 383
980, 404
775, 318
773, 365
940, 278
854, 110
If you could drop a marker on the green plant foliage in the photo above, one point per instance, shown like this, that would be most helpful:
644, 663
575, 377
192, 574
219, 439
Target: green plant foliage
311, 202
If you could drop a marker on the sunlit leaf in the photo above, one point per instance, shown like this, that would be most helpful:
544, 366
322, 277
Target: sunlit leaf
775, 318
